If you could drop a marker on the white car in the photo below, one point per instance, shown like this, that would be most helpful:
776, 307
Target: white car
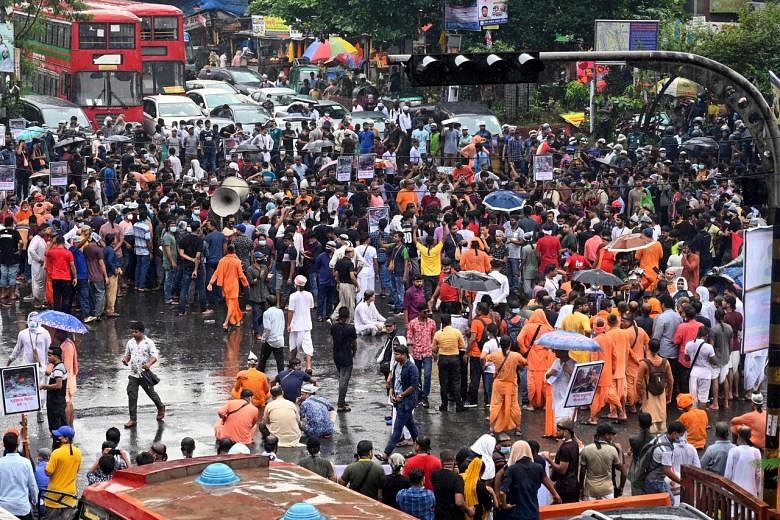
279, 95
168, 108
195, 84
209, 98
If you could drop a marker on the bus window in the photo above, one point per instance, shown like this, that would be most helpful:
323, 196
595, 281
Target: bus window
121, 36
92, 35
146, 27
166, 28
125, 89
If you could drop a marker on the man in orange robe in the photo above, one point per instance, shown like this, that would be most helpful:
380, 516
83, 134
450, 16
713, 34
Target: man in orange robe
539, 358
227, 275
603, 395
639, 342
620, 348
254, 380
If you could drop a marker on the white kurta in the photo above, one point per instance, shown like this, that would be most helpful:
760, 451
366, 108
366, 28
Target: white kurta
367, 318
755, 366
560, 388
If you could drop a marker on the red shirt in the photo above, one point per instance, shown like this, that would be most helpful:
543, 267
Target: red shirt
576, 262
548, 247
447, 293
58, 260
427, 463
686, 331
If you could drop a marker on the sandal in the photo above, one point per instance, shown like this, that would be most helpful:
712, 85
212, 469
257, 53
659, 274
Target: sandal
405, 443
589, 422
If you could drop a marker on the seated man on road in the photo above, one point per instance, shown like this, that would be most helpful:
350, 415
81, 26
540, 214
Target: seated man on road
315, 413
368, 321
282, 419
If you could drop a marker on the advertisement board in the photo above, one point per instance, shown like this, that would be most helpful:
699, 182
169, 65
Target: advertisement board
461, 15
20, 389
626, 35
757, 280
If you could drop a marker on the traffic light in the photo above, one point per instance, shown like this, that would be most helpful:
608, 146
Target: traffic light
474, 69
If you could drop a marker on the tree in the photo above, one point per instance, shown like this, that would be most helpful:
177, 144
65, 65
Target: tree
752, 48
25, 26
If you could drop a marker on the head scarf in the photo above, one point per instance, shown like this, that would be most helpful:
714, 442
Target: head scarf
704, 294
471, 480
484, 448
520, 450
196, 170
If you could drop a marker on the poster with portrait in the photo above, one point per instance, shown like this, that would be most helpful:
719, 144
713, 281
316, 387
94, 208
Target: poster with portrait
7, 178
229, 145
58, 171
344, 168
492, 12
584, 384
366, 165
543, 167
7, 48
17, 126
375, 215
20, 389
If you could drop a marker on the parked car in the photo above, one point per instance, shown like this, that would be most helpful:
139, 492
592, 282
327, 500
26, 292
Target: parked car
195, 84
48, 111
247, 115
207, 98
304, 106
169, 109
244, 79
378, 118
467, 114
279, 95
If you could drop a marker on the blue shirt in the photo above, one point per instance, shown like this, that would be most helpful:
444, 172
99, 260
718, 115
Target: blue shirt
417, 501
109, 258
422, 136
17, 484
366, 139
315, 411
322, 268
142, 234
214, 242
291, 382
82, 273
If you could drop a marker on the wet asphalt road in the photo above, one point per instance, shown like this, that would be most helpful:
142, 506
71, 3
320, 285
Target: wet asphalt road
197, 368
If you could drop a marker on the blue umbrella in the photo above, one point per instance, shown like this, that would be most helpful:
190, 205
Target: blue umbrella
62, 321
504, 200
564, 340
30, 133
311, 49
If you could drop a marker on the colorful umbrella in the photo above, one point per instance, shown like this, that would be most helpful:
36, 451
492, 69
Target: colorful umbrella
341, 46
62, 321
628, 243
30, 133
565, 340
504, 200
311, 49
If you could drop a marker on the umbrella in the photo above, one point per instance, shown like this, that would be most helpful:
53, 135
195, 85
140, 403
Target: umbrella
40, 173
69, 141
327, 165
565, 340
596, 277
118, 138
332, 49
574, 118
62, 321
311, 49
318, 144
680, 87
30, 133
504, 200
701, 145
322, 53
341, 46
473, 281
247, 147
604, 162
631, 242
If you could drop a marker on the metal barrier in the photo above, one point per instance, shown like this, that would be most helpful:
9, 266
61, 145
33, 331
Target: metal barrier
721, 499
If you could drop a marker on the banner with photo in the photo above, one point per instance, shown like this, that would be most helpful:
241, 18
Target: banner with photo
344, 168
543, 167
493, 12
366, 165
461, 15
58, 173
584, 384
376, 214
20, 389
229, 144
7, 63
7, 178
17, 126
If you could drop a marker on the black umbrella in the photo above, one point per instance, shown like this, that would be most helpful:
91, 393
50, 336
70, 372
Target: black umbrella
118, 138
473, 281
247, 147
700, 145
69, 141
596, 277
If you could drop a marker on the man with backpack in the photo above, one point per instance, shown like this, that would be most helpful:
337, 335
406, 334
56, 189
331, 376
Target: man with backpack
478, 336
654, 384
655, 461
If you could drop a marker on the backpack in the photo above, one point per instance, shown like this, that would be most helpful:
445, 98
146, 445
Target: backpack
645, 464
656, 377
513, 329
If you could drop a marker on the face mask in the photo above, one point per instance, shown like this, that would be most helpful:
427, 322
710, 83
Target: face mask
261, 242
505, 450
172, 229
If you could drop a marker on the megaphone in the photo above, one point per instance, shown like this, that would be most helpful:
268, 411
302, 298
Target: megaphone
225, 201
239, 185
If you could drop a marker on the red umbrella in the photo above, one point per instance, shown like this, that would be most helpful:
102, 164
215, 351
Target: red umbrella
323, 52
631, 242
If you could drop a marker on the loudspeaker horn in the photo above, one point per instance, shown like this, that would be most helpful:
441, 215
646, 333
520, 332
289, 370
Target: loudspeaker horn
225, 201
238, 184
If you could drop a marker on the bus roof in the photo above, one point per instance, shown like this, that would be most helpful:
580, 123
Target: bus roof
141, 8
106, 15
266, 490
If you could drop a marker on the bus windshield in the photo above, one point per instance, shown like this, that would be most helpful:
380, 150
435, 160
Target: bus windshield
107, 89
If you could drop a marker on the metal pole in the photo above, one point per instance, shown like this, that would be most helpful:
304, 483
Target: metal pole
592, 100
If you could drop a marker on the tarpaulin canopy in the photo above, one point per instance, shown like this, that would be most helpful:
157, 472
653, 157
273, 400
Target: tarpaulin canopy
193, 7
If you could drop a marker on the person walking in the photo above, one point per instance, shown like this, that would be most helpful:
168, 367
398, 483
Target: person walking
257, 275
344, 348
228, 275
272, 338
61, 269
597, 463
299, 324
419, 333
655, 384
446, 348
36, 258
716, 455
504, 403
565, 465
32, 345
403, 384
113, 272
140, 354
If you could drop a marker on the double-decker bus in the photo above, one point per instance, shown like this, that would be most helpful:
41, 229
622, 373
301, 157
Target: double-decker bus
162, 44
93, 61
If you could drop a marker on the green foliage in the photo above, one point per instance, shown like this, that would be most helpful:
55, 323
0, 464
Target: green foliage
576, 96
752, 48
498, 46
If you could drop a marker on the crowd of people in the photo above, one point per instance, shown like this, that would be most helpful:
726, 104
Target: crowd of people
304, 247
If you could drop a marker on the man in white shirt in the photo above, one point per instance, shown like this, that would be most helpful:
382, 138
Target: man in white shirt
368, 321
36, 255
33, 344
703, 359
272, 338
620, 228
18, 488
742, 464
299, 323
175, 164
405, 120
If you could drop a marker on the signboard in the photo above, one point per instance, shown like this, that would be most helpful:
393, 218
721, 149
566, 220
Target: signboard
583, 384
2, 135
461, 15
775, 82
375, 215
492, 13
726, 6
543, 167
229, 145
7, 55
757, 280
20, 389
344, 168
58, 173
758, 249
626, 35
366, 164
7, 178
271, 27
258, 26
17, 126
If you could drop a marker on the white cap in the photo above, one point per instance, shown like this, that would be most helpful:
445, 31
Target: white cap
309, 388
621, 137
300, 280
251, 357
481, 123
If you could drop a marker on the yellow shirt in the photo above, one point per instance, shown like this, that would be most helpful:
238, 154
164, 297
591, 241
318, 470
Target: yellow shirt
430, 260
62, 469
449, 340
579, 323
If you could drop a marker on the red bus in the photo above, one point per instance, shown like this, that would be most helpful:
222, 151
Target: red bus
93, 61
162, 44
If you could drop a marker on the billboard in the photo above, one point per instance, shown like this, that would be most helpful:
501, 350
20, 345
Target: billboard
626, 35
757, 282
726, 6
492, 12
7, 48
461, 15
